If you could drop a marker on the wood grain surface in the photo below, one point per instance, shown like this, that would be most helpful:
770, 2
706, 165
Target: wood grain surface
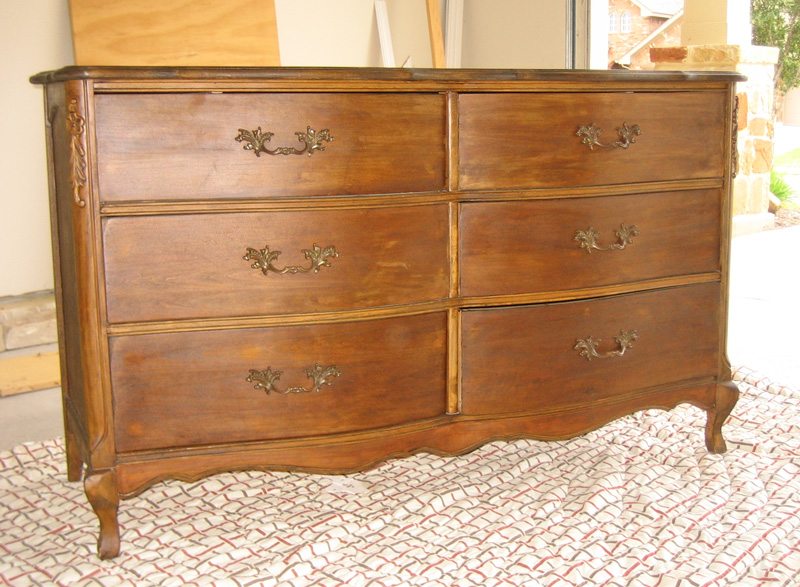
529, 140
518, 360
518, 247
191, 389
175, 32
192, 266
182, 146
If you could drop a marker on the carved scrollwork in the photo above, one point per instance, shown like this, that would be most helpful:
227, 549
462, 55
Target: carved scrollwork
256, 141
587, 239
76, 126
263, 259
588, 346
266, 379
590, 136
735, 139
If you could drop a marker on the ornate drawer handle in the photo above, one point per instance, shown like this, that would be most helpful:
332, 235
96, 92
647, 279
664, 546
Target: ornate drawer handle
311, 139
591, 133
588, 345
588, 238
263, 259
266, 379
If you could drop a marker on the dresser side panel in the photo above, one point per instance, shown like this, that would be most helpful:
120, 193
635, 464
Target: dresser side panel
65, 275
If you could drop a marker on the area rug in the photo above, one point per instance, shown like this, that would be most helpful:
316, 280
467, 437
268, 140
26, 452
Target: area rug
638, 502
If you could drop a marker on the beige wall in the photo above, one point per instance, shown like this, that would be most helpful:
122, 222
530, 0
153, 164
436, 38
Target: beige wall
328, 33
34, 36
716, 22
514, 33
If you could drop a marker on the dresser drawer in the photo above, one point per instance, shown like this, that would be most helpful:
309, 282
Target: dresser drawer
553, 245
524, 359
531, 140
184, 146
188, 389
190, 266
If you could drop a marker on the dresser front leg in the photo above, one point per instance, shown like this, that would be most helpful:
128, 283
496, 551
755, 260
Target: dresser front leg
101, 489
727, 395
73, 453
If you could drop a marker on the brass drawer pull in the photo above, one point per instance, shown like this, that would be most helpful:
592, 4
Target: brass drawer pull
256, 141
588, 345
263, 259
627, 135
587, 239
266, 379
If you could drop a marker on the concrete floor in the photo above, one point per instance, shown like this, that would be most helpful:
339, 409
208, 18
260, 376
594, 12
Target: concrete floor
765, 304
764, 321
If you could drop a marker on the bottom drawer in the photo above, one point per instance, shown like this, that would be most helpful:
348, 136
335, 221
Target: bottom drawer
550, 356
188, 389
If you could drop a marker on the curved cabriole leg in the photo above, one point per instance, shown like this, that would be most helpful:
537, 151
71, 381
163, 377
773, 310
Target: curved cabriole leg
101, 489
727, 394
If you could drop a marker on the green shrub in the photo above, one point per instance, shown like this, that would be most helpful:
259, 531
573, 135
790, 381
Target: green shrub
778, 186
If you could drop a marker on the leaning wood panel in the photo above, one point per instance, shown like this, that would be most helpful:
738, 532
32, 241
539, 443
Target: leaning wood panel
175, 32
184, 146
193, 266
531, 140
523, 359
552, 245
173, 389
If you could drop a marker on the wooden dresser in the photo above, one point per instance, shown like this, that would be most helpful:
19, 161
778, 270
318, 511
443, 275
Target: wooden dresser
320, 269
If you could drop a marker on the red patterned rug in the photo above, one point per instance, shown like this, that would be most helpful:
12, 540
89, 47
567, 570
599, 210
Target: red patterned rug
638, 502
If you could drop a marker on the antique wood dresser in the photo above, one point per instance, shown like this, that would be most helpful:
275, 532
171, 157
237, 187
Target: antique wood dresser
320, 269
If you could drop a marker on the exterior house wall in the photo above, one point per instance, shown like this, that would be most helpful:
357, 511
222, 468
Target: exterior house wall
668, 38
620, 43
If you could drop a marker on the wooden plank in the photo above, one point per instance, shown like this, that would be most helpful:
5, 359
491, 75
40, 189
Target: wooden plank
29, 373
175, 32
435, 32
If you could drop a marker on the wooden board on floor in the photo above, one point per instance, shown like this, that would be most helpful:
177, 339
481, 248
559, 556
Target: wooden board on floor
175, 32
29, 373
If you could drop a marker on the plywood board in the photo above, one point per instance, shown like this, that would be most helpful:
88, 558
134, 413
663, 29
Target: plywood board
435, 32
29, 373
175, 32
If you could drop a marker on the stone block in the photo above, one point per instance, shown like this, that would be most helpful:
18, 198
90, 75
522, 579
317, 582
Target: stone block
774, 204
758, 126
31, 334
668, 54
752, 223
762, 159
746, 156
743, 110
28, 320
741, 187
722, 54
760, 100
758, 196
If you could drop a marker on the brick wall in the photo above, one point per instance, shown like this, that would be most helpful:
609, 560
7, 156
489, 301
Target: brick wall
620, 43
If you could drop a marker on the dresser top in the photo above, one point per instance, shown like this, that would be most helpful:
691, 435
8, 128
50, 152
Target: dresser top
373, 74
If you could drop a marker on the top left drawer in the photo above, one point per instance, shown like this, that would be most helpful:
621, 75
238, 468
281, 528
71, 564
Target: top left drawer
184, 146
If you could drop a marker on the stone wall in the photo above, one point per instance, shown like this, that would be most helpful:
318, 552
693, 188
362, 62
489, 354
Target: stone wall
27, 321
756, 126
